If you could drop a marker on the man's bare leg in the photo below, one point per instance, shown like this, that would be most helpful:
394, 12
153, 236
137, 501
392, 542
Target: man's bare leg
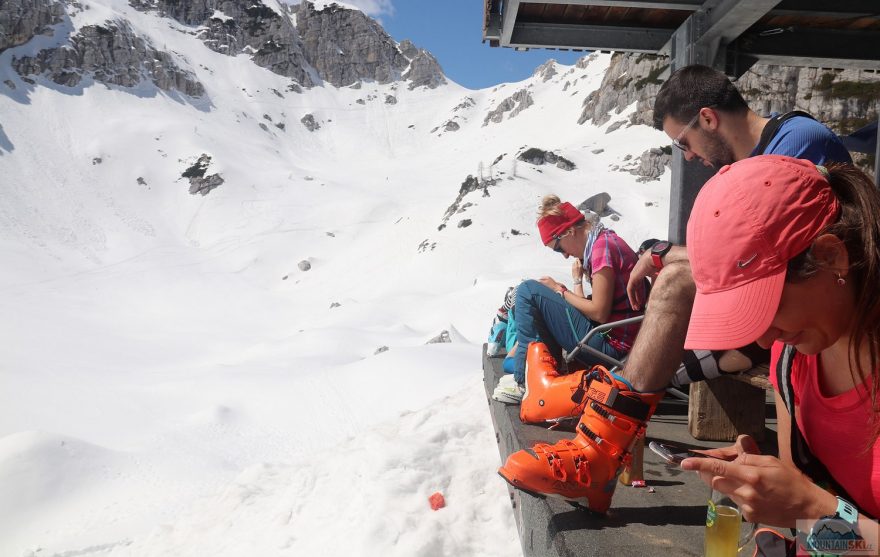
659, 346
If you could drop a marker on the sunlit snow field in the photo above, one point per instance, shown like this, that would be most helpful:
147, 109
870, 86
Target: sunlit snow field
174, 384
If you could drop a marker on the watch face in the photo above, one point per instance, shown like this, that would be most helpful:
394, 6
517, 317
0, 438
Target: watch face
660, 248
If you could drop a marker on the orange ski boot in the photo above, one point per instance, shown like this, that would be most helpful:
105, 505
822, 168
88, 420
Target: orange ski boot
585, 469
549, 397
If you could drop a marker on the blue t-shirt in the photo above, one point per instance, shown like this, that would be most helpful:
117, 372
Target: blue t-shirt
805, 138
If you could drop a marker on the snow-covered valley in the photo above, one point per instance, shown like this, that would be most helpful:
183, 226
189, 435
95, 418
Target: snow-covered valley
173, 381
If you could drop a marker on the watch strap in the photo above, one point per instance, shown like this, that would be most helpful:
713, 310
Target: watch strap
658, 260
658, 250
847, 511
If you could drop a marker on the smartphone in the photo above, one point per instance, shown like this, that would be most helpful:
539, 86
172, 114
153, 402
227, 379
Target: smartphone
674, 454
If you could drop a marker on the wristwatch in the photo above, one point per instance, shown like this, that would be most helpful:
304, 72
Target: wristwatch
658, 250
836, 533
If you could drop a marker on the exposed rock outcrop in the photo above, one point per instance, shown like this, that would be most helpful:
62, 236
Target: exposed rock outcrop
597, 203
21, 20
204, 184
513, 104
844, 100
466, 103
443, 337
424, 71
337, 45
310, 123
112, 54
538, 157
200, 182
546, 70
241, 26
652, 164
346, 46
470, 184
631, 78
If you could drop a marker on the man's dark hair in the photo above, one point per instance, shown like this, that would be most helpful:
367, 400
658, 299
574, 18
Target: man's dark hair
694, 87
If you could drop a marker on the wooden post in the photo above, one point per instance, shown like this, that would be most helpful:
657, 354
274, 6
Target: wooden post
722, 408
636, 469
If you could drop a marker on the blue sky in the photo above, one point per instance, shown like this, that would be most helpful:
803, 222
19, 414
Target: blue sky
452, 31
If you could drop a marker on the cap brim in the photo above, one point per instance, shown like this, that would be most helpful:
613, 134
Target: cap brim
734, 318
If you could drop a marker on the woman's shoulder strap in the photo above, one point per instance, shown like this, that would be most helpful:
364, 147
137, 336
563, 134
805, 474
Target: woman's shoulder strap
783, 377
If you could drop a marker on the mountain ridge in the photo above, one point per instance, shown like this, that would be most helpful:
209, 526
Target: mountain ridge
336, 45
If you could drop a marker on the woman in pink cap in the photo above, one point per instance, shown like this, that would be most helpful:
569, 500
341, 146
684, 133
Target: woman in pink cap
549, 311
787, 254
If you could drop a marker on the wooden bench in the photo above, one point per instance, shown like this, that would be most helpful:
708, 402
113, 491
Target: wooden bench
666, 520
722, 408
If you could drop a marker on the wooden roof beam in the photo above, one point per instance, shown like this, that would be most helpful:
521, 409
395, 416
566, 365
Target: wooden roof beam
822, 48
588, 37
684, 5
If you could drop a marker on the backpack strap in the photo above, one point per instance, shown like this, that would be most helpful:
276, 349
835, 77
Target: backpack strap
772, 127
801, 455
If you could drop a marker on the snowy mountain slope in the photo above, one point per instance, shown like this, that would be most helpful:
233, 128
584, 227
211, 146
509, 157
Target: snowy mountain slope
174, 382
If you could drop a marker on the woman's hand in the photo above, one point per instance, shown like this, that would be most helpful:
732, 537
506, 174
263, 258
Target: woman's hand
635, 288
744, 444
767, 490
577, 271
550, 283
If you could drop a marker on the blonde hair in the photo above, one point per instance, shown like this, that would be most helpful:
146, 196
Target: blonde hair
550, 206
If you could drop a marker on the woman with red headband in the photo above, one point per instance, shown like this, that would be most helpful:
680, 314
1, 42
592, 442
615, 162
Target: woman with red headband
549, 311
788, 254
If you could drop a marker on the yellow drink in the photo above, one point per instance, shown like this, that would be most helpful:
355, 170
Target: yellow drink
723, 525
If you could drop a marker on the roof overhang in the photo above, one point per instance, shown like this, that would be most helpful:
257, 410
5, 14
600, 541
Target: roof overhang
736, 33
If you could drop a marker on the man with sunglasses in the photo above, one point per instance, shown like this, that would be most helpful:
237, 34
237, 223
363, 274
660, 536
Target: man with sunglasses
707, 118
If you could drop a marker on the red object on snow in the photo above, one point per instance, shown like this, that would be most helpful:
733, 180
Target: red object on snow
437, 501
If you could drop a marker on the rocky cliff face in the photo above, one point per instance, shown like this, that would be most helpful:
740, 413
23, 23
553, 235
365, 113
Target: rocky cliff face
345, 47
241, 26
336, 45
844, 100
424, 70
21, 20
513, 105
631, 78
112, 54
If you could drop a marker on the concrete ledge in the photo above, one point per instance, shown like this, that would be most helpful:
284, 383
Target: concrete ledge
669, 521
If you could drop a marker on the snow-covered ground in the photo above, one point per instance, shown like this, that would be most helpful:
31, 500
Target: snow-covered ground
174, 384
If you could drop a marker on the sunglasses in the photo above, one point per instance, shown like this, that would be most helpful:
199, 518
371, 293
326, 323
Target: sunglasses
556, 247
677, 141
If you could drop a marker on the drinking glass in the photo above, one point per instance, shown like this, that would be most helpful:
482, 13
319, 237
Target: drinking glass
726, 531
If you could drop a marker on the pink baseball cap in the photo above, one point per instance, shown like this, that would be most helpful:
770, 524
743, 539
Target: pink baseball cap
747, 223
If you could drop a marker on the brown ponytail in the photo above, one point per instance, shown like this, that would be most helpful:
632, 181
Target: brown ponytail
858, 226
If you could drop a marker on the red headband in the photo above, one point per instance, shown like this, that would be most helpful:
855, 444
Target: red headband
555, 225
